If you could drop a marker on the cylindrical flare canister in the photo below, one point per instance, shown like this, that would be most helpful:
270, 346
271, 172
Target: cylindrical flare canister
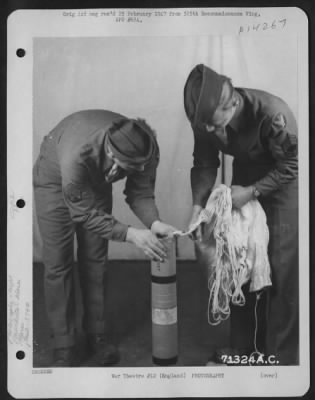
164, 308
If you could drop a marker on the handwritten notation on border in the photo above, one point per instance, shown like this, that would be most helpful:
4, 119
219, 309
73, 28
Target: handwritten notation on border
263, 26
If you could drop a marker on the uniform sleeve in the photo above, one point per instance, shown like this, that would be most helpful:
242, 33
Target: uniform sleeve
204, 171
139, 191
282, 142
81, 201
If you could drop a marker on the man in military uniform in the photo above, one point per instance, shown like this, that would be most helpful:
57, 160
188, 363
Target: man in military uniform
260, 132
73, 175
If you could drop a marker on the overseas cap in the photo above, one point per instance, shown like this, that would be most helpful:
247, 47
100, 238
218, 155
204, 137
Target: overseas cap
202, 94
131, 141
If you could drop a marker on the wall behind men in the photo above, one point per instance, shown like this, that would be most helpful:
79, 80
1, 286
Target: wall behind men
144, 77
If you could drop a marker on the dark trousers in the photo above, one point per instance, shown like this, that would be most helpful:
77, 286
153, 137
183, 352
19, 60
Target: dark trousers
278, 309
57, 231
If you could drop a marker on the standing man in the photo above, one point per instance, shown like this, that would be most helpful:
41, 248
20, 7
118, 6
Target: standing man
260, 132
73, 175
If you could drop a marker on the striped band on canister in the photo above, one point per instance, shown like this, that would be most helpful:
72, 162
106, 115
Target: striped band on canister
164, 307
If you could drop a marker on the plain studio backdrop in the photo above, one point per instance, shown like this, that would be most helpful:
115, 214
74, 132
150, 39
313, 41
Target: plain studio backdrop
144, 77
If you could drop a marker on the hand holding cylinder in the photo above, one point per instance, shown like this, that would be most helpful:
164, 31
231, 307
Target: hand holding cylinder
162, 230
145, 240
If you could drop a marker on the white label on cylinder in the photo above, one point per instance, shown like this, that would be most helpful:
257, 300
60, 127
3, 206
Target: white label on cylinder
166, 316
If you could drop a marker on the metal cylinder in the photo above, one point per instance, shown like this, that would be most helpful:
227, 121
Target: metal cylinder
164, 307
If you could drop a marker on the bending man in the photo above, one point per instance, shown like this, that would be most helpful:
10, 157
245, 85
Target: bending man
73, 175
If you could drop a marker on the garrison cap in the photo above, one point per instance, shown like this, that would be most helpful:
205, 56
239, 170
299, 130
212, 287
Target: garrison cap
131, 141
202, 94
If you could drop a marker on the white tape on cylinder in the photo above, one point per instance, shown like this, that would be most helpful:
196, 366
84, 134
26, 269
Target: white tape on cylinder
164, 316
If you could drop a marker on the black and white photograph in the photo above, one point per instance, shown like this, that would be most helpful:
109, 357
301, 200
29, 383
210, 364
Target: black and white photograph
163, 202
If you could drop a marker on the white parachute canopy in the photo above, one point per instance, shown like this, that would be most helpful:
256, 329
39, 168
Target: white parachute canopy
234, 246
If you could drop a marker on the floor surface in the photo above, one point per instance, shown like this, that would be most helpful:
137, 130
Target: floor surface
129, 311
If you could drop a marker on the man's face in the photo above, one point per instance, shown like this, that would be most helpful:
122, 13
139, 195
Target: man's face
225, 110
114, 173
118, 170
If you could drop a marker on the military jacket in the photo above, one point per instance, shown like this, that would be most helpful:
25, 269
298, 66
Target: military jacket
74, 157
265, 135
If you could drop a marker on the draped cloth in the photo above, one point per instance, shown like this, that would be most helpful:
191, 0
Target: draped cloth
234, 246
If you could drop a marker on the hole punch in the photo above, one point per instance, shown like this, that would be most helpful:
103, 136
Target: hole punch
20, 355
20, 203
20, 53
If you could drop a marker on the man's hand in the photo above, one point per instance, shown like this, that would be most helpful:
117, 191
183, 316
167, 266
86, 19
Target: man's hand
145, 240
197, 235
160, 229
241, 195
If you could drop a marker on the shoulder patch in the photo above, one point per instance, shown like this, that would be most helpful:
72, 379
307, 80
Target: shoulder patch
279, 121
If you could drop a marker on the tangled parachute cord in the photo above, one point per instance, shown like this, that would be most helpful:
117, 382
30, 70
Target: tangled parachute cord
230, 271
256, 352
241, 241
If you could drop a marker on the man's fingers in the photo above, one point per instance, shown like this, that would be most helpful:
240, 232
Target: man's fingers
198, 234
149, 253
160, 251
153, 255
157, 244
193, 235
